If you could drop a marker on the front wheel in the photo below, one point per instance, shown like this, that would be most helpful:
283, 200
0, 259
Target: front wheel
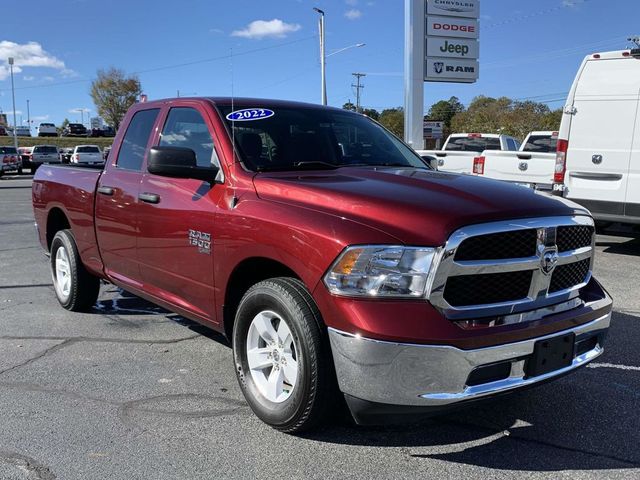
282, 359
76, 289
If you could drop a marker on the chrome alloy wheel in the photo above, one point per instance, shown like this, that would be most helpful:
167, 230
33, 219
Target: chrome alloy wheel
62, 278
272, 356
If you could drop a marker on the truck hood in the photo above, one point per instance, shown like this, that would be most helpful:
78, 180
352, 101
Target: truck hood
417, 207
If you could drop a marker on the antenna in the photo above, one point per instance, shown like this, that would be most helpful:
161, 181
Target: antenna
233, 124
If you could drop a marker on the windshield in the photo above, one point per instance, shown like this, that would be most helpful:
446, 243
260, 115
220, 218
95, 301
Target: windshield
45, 149
295, 138
87, 150
8, 151
473, 144
539, 143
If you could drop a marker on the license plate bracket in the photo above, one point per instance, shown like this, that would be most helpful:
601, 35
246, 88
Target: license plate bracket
551, 354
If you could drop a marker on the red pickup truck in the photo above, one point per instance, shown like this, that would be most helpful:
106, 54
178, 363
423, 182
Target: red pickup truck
331, 256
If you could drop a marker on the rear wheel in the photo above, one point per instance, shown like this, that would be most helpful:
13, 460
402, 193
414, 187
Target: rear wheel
281, 357
76, 289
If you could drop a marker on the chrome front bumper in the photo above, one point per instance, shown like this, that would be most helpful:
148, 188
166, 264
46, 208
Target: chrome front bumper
437, 375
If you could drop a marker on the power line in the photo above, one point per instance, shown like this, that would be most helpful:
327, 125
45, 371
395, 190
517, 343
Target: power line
171, 66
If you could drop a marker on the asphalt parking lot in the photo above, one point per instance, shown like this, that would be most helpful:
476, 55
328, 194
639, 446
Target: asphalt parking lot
131, 391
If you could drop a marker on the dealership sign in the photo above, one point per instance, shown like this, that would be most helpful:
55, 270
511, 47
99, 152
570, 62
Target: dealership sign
451, 70
452, 48
454, 8
452, 27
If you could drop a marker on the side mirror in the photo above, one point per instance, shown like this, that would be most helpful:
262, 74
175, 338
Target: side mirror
431, 161
178, 162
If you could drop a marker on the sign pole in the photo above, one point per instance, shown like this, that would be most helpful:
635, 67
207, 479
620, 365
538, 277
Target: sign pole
414, 55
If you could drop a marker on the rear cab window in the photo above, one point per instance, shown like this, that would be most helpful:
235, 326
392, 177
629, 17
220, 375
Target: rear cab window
45, 149
8, 151
87, 149
541, 144
473, 144
136, 139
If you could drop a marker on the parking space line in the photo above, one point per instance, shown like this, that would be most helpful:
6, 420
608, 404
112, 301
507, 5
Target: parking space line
613, 365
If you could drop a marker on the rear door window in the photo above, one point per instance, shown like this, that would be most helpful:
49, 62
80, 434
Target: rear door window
134, 144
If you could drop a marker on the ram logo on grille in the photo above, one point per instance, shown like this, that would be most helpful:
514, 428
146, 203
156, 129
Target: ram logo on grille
548, 261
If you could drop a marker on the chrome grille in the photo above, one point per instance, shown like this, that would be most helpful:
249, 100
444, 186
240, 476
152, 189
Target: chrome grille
570, 238
489, 288
495, 246
508, 267
566, 276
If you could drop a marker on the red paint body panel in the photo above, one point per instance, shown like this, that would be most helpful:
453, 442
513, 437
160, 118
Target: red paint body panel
301, 220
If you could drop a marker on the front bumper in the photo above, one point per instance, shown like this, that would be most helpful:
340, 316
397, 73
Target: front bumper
439, 375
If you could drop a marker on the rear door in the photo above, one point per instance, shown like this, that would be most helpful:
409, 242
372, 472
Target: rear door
175, 244
601, 134
117, 201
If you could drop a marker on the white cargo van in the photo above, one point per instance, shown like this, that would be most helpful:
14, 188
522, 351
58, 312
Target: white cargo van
598, 151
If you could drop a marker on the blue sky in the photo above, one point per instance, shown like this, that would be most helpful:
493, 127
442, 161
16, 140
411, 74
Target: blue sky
527, 49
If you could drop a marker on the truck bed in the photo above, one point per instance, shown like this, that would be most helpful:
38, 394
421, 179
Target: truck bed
528, 168
72, 188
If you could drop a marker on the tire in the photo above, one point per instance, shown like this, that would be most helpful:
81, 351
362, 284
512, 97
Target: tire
34, 168
288, 406
76, 289
20, 171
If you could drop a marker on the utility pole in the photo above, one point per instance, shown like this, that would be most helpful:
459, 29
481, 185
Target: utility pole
323, 58
358, 86
13, 95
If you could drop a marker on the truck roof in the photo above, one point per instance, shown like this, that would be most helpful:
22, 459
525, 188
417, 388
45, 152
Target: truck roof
243, 102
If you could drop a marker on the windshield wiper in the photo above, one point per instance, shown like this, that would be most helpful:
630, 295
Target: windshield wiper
315, 165
404, 165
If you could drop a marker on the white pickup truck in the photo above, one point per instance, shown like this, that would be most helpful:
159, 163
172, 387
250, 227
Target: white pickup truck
461, 150
532, 166
90, 154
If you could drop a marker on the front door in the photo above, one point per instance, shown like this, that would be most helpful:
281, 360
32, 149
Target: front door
117, 201
177, 218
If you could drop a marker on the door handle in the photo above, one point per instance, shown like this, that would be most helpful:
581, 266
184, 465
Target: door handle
106, 190
149, 197
524, 156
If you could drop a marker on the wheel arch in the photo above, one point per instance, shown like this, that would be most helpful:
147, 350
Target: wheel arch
56, 220
245, 274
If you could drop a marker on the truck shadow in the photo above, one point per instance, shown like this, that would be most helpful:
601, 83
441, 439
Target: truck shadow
585, 421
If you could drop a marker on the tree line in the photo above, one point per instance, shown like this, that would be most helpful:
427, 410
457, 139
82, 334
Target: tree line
484, 115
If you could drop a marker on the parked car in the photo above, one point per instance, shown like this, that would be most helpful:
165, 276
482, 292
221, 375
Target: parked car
86, 154
47, 130
25, 156
10, 160
598, 159
20, 131
108, 132
3, 131
105, 153
532, 166
74, 130
461, 149
65, 155
337, 260
44, 154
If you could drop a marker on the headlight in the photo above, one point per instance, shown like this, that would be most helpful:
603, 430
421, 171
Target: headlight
381, 271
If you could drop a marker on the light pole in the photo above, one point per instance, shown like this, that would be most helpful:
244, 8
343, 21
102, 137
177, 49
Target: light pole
323, 59
346, 48
13, 96
28, 117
